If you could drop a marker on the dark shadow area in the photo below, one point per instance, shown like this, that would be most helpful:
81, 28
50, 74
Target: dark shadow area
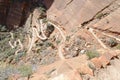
15, 12
48, 3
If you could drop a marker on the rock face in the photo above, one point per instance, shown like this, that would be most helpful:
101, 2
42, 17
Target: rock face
3, 10
110, 23
76, 68
14, 14
11, 13
72, 13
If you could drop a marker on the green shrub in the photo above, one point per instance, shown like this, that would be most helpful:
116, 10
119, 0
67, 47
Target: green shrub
3, 28
58, 41
25, 70
101, 15
92, 53
67, 38
112, 42
7, 70
118, 46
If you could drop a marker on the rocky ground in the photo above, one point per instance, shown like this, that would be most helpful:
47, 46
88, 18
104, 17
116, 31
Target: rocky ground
82, 43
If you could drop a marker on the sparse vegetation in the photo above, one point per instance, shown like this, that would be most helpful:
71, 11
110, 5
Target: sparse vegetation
67, 38
101, 15
41, 40
112, 42
58, 41
118, 46
19, 56
3, 28
6, 71
48, 44
91, 66
7, 53
92, 53
25, 70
